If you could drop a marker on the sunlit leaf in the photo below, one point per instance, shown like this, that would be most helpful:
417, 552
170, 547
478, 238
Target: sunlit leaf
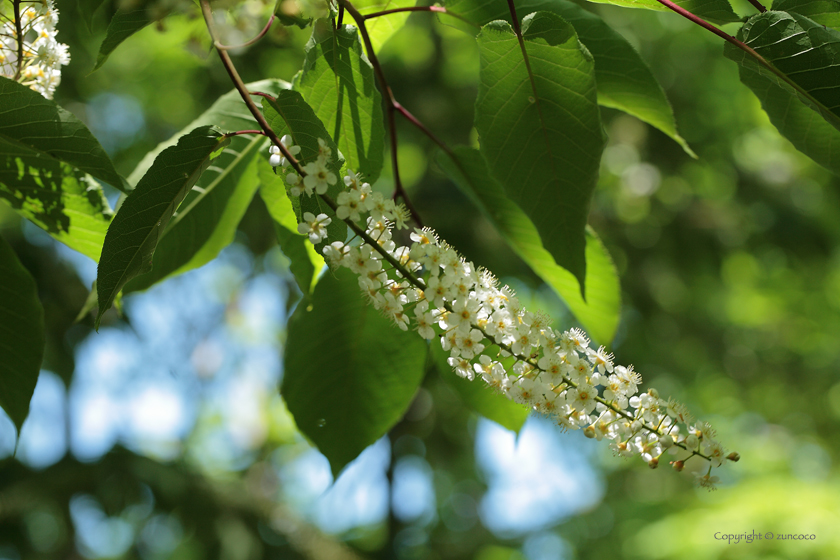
67, 203
540, 128
716, 11
349, 373
31, 121
382, 28
22, 335
601, 311
338, 83
305, 261
290, 114
146, 212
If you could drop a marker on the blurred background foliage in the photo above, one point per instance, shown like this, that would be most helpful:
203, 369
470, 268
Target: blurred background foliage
163, 436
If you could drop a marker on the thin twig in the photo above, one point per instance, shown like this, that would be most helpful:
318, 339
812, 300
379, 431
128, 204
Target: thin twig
438, 9
240, 132
262, 94
207, 12
19, 31
758, 6
252, 41
391, 106
416, 122
722, 34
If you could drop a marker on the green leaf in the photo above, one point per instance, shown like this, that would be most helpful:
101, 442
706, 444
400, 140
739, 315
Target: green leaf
125, 23
66, 203
540, 129
601, 311
146, 212
305, 261
715, 11
349, 373
824, 12
802, 96
229, 113
22, 336
338, 83
478, 396
207, 220
382, 28
29, 120
624, 80
290, 114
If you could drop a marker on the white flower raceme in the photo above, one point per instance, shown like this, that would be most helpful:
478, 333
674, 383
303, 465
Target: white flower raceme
428, 287
39, 67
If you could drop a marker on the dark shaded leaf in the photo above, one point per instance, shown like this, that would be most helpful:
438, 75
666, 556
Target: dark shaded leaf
22, 336
87, 9
31, 121
125, 23
349, 373
802, 98
540, 129
146, 212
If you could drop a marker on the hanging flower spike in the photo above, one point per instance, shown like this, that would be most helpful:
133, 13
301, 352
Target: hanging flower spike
428, 287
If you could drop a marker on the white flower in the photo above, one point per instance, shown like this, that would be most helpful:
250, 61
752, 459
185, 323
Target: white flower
462, 367
277, 158
464, 314
314, 226
706, 480
318, 177
295, 184
349, 205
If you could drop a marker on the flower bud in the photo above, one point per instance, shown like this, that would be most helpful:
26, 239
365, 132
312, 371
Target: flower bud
589, 432
734, 457
678, 465
653, 463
